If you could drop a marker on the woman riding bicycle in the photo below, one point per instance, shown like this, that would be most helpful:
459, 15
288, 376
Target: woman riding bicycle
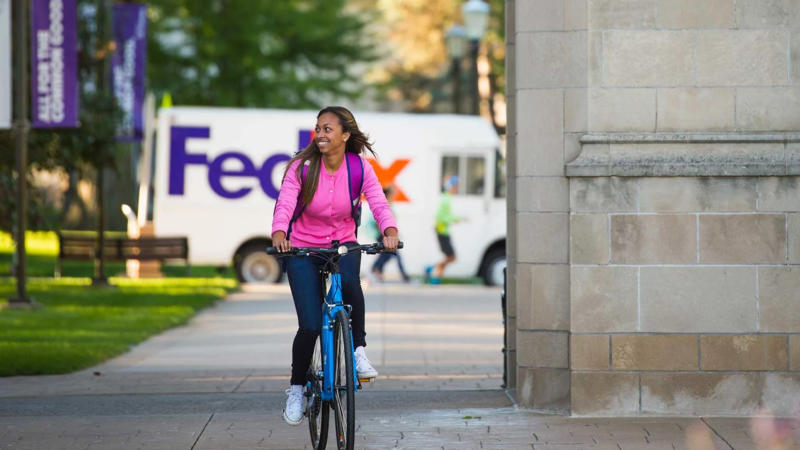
314, 208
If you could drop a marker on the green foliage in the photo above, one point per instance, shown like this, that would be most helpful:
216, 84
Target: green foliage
41, 214
496, 40
43, 153
95, 141
80, 326
262, 53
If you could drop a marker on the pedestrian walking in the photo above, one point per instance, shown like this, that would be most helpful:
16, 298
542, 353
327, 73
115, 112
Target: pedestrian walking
444, 218
385, 257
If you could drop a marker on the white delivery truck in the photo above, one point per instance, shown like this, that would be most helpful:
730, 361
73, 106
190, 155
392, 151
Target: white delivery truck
218, 172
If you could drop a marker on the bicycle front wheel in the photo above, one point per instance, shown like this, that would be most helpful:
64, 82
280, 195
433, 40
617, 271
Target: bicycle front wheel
344, 402
316, 410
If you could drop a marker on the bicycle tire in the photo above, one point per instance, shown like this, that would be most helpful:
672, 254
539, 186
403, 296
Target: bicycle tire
317, 411
344, 402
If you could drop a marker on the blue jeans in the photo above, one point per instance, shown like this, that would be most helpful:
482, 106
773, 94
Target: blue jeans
307, 288
383, 258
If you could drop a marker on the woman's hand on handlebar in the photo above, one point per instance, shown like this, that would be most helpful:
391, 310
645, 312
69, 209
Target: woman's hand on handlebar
390, 239
280, 242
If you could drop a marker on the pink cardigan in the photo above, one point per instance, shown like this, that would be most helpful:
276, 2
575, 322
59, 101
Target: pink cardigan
328, 216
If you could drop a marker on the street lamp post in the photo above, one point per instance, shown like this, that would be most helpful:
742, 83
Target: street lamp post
21, 126
456, 43
476, 19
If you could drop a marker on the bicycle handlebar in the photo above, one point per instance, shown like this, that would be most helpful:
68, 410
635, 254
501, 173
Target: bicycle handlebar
370, 249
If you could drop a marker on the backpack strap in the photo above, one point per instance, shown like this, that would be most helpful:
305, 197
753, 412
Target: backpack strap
299, 207
355, 180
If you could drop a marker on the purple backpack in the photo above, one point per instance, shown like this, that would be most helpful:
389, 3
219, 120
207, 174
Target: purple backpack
355, 180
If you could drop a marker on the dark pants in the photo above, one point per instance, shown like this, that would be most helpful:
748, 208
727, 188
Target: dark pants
305, 282
445, 244
383, 258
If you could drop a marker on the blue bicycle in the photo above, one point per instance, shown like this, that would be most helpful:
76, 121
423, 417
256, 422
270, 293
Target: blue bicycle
332, 376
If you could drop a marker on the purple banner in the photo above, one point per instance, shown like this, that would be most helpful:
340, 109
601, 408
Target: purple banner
54, 63
128, 66
5, 64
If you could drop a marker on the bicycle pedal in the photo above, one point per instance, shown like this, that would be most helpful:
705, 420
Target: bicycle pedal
364, 380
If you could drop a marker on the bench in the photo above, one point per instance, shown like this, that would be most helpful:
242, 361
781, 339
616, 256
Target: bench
82, 247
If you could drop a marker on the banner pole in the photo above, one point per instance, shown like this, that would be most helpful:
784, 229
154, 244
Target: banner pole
21, 127
99, 278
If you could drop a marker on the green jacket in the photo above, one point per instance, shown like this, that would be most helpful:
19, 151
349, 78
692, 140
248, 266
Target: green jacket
444, 215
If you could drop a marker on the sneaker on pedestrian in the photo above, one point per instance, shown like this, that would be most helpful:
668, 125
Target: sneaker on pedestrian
428, 273
293, 413
364, 368
376, 277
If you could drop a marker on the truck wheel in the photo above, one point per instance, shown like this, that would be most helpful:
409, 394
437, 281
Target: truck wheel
493, 267
256, 266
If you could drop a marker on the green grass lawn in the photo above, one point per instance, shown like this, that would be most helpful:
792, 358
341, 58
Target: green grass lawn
78, 325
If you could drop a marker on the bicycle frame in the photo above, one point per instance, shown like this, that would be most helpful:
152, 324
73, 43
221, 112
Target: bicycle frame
330, 307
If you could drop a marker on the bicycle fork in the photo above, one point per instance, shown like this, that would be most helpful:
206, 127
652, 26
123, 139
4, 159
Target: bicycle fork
331, 307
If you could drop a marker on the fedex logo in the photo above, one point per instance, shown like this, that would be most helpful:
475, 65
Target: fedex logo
180, 158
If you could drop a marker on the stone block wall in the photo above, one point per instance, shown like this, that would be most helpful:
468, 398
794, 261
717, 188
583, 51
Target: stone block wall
654, 205
685, 295
689, 66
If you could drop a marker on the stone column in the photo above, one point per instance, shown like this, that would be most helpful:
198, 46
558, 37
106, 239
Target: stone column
511, 198
547, 54
655, 171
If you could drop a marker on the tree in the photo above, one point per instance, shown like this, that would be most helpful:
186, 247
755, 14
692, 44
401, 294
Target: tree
264, 53
412, 32
412, 40
43, 151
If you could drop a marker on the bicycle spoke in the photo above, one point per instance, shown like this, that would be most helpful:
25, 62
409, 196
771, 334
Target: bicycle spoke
344, 402
317, 411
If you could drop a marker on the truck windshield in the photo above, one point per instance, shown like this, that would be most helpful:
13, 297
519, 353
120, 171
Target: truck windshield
471, 170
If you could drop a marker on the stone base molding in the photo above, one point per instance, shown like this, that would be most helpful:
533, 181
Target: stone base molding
686, 154
684, 393
634, 374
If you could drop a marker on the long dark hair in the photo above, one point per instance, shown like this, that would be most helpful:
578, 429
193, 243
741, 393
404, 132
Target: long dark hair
357, 143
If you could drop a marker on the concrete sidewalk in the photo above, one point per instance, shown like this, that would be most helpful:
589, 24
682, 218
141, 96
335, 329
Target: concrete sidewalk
243, 344
218, 383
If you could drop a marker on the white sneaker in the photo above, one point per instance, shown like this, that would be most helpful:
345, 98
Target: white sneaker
363, 367
293, 413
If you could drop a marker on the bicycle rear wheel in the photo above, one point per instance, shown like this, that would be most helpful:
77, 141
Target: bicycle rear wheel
344, 402
317, 411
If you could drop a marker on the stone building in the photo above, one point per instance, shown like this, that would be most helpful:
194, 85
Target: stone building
654, 206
